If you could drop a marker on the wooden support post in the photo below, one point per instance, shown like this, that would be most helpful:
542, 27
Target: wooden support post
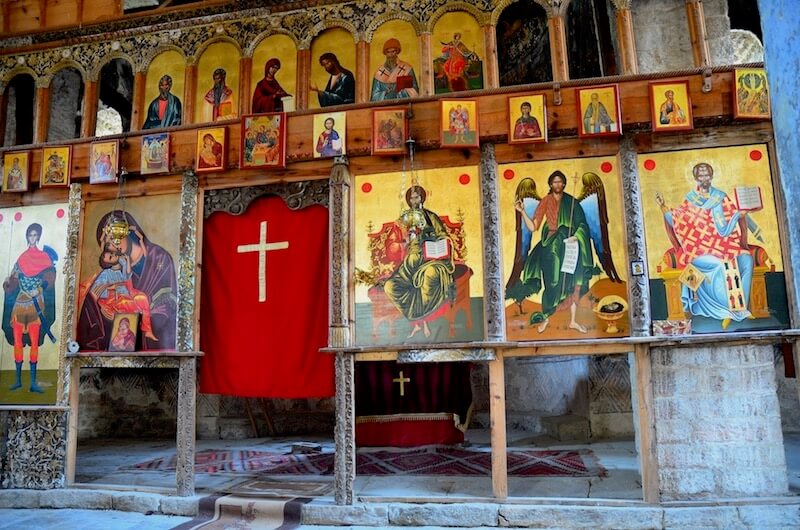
3, 113
497, 415
245, 92
697, 32
303, 79
72, 422
491, 72
426, 68
558, 47
646, 423
89, 122
42, 114
363, 75
139, 111
626, 42
189, 89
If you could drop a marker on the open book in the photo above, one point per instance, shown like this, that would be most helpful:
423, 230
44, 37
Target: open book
748, 198
404, 81
439, 249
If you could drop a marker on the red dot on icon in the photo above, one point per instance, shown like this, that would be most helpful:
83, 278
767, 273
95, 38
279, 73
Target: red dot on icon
60, 213
508, 174
606, 167
366, 187
649, 164
755, 155
18, 216
464, 179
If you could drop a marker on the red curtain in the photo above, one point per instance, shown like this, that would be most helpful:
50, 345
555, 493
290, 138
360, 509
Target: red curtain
266, 348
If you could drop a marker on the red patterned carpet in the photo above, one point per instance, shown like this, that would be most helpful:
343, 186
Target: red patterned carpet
432, 460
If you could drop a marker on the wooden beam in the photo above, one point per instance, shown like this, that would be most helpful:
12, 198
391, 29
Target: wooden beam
245, 91
626, 42
497, 415
491, 72
426, 69
558, 47
42, 114
648, 462
303, 79
189, 89
89, 121
72, 423
139, 111
697, 32
363, 75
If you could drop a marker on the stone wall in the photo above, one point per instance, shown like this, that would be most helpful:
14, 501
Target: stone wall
661, 30
717, 420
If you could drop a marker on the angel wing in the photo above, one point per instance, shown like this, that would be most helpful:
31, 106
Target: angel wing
527, 194
593, 201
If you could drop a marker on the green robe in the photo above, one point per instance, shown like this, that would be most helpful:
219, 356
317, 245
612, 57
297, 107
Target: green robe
543, 265
419, 287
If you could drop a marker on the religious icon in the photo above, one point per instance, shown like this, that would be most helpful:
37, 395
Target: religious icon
212, 149
458, 68
562, 230
36, 238
416, 271
459, 123
670, 106
16, 169
394, 78
124, 332
389, 131
129, 272
165, 109
154, 154
103, 162
219, 102
56, 163
751, 94
527, 119
713, 241
263, 141
329, 134
598, 111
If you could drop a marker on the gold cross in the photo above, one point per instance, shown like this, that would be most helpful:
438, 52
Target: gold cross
402, 380
262, 247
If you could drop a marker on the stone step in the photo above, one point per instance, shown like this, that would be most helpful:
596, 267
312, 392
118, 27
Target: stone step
567, 428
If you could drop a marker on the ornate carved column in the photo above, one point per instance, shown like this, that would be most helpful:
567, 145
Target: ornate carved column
42, 110
245, 93
89, 122
68, 385
492, 72
189, 89
363, 75
556, 10
697, 32
185, 342
303, 73
139, 112
493, 295
426, 68
638, 284
339, 334
625, 38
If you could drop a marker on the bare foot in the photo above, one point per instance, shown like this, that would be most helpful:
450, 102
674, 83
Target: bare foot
543, 325
425, 329
574, 325
150, 336
725, 323
415, 330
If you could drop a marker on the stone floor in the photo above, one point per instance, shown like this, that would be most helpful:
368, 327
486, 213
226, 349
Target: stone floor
102, 463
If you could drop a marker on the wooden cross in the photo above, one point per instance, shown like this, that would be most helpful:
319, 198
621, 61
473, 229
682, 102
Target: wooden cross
402, 380
262, 247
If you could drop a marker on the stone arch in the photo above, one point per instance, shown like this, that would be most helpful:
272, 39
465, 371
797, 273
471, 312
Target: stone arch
47, 79
481, 17
248, 52
67, 93
378, 21
19, 87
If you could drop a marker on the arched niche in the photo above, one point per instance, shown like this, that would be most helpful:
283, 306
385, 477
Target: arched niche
115, 96
279, 47
406, 35
66, 105
523, 44
457, 48
20, 96
590, 49
217, 99
170, 63
339, 42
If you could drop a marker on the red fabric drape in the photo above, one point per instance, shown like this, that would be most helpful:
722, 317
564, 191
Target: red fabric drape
269, 348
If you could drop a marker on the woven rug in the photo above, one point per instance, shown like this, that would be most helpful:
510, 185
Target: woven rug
432, 460
231, 512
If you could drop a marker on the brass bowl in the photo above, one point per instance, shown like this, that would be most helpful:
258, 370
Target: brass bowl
611, 318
